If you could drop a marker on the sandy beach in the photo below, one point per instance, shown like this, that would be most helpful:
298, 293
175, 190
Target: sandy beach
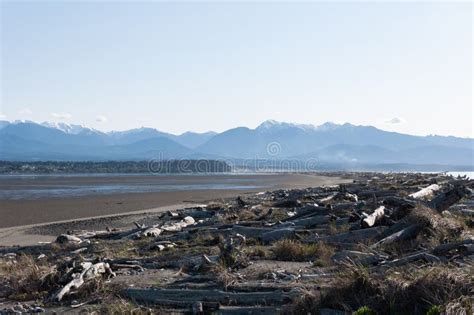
26, 211
21, 215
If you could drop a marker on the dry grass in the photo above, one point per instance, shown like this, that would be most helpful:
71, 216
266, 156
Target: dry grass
258, 251
246, 215
117, 306
289, 250
122, 249
223, 275
216, 206
432, 286
24, 277
408, 290
307, 302
435, 229
443, 228
207, 239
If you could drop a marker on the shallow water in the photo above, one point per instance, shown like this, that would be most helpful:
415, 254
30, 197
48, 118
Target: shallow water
105, 189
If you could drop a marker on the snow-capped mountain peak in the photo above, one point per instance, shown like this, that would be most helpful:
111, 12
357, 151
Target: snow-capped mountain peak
328, 126
277, 125
69, 128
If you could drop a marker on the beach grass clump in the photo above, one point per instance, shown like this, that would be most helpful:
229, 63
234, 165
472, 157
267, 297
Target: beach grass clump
118, 305
258, 251
122, 249
25, 277
207, 238
276, 214
246, 215
307, 302
410, 290
291, 250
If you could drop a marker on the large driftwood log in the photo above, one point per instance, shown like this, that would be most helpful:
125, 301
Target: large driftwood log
445, 200
372, 219
377, 193
276, 235
308, 221
404, 234
357, 257
426, 192
355, 236
308, 210
187, 262
446, 248
399, 202
411, 258
222, 297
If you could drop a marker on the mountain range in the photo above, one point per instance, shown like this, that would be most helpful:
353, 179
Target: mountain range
343, 144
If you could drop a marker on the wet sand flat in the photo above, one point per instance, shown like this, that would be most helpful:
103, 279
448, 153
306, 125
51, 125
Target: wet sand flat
96, 202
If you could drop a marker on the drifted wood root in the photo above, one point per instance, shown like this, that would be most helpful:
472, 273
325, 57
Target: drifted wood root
87, 271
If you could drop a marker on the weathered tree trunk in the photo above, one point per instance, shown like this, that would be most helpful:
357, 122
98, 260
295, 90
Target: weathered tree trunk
444, 200
308, 210
414, 257
222, 297
406, 233
357, 257
355, 236
373, 218
426, 192
277, 234
445, 248
308, 221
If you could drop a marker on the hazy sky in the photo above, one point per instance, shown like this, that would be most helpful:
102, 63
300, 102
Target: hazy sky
405, 67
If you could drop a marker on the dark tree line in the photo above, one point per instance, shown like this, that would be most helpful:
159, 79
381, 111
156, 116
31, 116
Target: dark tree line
153, 166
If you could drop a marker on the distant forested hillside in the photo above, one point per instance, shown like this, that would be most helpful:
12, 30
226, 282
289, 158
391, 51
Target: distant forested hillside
120, 167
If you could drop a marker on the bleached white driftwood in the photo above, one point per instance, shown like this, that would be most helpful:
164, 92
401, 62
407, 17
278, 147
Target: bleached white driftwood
426, 192
178, 226
89, 271
68, 239
372, 219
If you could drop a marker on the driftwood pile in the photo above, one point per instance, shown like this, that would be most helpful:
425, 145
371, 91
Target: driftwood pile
286, 251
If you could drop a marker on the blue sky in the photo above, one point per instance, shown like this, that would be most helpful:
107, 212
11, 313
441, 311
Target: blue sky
401, 66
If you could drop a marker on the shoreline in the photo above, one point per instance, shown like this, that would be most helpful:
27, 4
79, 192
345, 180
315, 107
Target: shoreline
26, 222
26, 235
